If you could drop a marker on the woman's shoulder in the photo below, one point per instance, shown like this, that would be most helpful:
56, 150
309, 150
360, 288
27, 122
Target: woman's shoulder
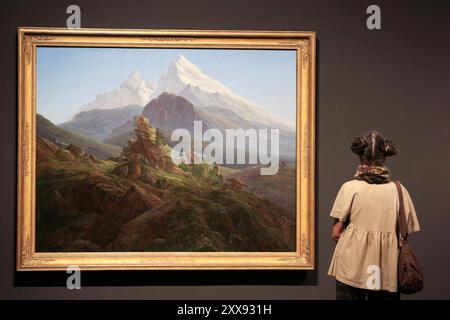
394, 182
356, 185
353, 183
351, 186
404, 190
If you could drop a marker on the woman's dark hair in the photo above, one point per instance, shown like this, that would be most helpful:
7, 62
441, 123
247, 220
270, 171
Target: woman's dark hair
373, 148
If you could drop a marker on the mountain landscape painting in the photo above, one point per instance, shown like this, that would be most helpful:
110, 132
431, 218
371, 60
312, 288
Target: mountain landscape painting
112, 174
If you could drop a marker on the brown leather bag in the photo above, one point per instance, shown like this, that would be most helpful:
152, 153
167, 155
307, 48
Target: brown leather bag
410, 276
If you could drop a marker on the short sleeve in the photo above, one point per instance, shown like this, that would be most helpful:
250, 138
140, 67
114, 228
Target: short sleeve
342, 203
411, 215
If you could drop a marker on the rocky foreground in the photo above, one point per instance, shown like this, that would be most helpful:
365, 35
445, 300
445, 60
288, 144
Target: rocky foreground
141, 201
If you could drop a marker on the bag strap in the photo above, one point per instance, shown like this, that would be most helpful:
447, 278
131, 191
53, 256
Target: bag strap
402, 214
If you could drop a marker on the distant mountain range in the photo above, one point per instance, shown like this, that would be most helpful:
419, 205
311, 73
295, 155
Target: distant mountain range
46, 129
98, 124
183, 94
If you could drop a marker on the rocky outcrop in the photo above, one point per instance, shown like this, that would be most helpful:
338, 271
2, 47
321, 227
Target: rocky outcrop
136, 171
45, 149
146, 147
97, 193
101, 194
236, 185
64, 154
181, 226
75, 150
113, 202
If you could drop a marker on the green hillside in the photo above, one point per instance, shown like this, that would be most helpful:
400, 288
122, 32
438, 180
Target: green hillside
46, 129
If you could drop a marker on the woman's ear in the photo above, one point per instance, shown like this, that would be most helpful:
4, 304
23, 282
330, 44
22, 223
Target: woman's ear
389, 148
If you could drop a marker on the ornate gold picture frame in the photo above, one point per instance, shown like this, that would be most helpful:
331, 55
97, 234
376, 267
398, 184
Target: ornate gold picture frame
303, 46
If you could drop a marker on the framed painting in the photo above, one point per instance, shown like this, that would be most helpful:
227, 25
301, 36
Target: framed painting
165, 149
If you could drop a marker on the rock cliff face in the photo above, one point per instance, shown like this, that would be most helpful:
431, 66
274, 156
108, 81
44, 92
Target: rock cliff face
171, 112
167, 112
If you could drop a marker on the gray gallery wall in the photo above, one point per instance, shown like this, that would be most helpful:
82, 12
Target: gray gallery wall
395, 80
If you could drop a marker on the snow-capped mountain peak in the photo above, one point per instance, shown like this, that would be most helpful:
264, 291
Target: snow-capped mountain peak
182, 62
182, 73
133, 91
185, 79
134, 80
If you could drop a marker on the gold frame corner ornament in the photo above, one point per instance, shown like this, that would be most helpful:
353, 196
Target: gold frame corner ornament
305, 45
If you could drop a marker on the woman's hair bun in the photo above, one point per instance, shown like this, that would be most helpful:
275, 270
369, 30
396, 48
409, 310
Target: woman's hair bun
389, 148
358, 145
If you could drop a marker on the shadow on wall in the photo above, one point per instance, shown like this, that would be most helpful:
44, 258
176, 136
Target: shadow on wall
169, 277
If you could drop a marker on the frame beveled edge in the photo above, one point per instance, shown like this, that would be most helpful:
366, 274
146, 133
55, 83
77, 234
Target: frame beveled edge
302, 259
168, 32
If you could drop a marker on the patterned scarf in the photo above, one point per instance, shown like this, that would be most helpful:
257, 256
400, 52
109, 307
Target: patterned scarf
373, 174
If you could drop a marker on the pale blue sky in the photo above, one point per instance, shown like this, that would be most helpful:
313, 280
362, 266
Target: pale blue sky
67, 78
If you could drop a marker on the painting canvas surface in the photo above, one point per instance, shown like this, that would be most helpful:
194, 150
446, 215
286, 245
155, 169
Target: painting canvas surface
165, 150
